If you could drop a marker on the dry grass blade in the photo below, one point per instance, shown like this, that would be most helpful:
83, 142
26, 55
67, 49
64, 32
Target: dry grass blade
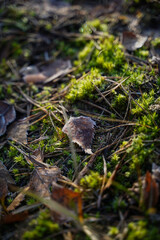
55, 206
28, 156
118, 84
91, 233
103, 182
89, 165
112, 177
105, 99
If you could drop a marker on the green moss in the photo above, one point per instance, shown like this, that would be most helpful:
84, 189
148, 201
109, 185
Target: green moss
94, 25
156, 42
106, 54
16, 174
142, 53
91, 181
142, 230
143, 102
12, 151
41, 227
45, 93
140, 154
118, 204
114, 159
85, 86
3, 67
136, 75
20, 159
120, 101
113, 231
30, 200
99, 165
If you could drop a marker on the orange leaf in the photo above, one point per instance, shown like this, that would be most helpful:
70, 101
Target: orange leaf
69, 199
150, 194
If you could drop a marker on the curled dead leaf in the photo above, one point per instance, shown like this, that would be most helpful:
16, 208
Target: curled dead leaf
81, 131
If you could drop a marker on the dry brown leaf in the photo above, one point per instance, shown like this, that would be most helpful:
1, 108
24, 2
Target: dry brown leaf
150, 191
7, 115
81, 131
57, 69
69, 199
5, 181
42, 178
18, 131
48, 72
11, 218
133, 41
35, 78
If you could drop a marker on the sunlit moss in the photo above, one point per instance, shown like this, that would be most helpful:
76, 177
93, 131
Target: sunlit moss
85, 86
106, 54
92, 181
143, 102
94, 25
156, 42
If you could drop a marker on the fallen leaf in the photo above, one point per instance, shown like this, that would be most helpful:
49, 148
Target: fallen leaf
57, 69
42, 178
7, 115
4, 173
3, 188
133, 41
81, 131
29, 70
47, 73
150, 191
69, 199
11, 218
35, 78
5, 181
18, 131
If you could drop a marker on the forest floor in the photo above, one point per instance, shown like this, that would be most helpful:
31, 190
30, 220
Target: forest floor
79, 120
